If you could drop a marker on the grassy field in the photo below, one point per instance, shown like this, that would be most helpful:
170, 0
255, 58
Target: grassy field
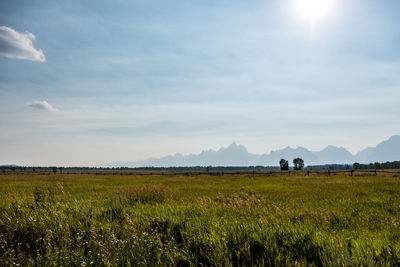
65, 220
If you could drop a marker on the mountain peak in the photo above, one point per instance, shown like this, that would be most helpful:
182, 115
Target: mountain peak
388, 150
233, 145
288, 148
334, 154
334, 148
236, 147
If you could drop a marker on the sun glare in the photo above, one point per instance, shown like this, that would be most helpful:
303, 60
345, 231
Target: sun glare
313, 10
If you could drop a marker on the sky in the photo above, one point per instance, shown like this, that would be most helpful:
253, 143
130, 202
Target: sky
90, 82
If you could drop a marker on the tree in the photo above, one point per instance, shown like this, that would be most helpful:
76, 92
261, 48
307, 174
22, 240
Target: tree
284, 165
298, 163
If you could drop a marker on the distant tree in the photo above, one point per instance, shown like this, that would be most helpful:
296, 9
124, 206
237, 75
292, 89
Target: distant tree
284, 165
54, 170
298, 163
356, 166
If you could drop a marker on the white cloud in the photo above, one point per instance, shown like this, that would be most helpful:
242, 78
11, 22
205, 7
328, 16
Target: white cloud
19, 45
43, 105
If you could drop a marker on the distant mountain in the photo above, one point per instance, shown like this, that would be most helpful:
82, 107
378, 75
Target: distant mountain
289, 153
237, 155
233, 155
364, 155
333, 154
388, 150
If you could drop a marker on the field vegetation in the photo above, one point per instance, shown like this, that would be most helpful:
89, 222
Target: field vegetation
184, 220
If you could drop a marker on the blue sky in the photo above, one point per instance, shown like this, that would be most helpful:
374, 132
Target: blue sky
126, 80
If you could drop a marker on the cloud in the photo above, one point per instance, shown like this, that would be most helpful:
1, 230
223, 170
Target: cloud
19, 45
43, 105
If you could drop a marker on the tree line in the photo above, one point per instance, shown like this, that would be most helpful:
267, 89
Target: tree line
283, 165
377, 165
13, 168
299, 164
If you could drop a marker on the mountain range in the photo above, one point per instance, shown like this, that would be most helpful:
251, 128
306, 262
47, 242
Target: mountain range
237, 155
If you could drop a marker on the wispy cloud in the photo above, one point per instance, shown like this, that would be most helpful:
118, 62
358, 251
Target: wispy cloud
19, 45
44, 105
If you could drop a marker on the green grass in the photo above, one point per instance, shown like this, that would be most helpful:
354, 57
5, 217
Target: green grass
64, 220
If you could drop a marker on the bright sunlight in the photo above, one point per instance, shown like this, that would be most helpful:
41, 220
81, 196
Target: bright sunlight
313, 10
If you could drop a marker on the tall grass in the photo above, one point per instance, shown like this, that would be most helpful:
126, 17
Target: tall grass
228, 220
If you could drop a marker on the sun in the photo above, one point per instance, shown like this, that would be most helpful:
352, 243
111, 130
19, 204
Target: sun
313, 10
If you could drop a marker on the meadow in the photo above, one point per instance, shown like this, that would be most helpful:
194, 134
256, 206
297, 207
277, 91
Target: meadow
202, 220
